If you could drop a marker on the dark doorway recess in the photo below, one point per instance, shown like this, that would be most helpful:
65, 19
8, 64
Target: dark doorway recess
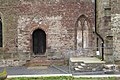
1, 33
39, 42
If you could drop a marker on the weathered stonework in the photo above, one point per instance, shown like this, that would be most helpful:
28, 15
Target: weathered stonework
116, 33
57, 18
108, 21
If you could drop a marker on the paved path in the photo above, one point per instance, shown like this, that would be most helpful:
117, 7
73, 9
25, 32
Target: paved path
34, 71
48, 71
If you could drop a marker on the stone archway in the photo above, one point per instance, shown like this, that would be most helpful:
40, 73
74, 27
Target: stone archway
39, 42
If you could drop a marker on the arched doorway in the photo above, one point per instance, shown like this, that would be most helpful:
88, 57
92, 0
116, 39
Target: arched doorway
39, 42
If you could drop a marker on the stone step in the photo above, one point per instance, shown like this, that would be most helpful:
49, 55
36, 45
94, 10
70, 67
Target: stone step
89, 67
39, 58
38, 67
111, 68
84, 64
86, 60
44, 62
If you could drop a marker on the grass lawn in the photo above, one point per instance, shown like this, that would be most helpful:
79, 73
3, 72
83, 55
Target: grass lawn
64, 78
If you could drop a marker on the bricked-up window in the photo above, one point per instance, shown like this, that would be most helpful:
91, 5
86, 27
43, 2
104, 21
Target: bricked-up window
0, 32
82, 32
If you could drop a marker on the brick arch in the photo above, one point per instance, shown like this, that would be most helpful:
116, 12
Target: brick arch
82, 18
85, 17
43, 27
34, 27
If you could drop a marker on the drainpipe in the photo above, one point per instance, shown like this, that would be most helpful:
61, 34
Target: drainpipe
99, 36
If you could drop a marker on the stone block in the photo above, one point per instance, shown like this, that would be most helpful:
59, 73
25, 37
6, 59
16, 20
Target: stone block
109, 58
2, 63
16, 63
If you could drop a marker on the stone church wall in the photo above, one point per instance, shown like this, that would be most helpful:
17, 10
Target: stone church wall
56, 17
108, 27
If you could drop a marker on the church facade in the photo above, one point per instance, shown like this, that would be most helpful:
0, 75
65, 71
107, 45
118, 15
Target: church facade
46, 28
43, 28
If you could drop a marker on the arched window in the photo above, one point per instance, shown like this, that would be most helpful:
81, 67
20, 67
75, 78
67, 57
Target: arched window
1, 32
82, 32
